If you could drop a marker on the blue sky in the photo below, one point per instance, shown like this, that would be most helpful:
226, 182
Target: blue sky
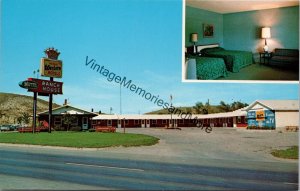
138, 39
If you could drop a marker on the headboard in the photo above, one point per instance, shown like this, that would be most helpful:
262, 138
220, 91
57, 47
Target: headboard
200, 47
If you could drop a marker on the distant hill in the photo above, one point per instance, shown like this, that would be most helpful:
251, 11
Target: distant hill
214, 109
13, 105
164, 111
200, 108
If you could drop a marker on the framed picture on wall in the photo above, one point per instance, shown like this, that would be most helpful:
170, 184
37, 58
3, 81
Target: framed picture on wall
208, 30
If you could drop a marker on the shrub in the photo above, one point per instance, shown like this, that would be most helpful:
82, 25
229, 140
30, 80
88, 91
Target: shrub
75, 128
59, 128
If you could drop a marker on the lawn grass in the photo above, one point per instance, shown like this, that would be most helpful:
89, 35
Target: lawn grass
290, 153
79, 139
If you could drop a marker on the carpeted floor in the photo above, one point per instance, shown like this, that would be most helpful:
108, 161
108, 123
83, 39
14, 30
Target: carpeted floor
263, 72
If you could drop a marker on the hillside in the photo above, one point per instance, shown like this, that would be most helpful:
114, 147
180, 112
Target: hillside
206, 108
13, 105
184, 109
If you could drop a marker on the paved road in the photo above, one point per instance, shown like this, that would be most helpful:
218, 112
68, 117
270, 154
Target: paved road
112, 173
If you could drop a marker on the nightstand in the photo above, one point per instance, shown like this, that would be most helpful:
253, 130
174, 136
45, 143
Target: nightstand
264, 57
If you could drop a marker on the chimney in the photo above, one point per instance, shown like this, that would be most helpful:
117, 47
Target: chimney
92, 110
66, 102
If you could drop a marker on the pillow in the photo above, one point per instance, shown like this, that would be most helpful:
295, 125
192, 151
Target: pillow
208, 50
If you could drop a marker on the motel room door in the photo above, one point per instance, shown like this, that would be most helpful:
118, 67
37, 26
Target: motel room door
143, 123
172, 122
147, 122
85, 123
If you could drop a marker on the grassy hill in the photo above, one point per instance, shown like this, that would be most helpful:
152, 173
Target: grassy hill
13, 105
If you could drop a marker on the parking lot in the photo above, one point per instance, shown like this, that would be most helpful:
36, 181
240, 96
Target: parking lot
221, 143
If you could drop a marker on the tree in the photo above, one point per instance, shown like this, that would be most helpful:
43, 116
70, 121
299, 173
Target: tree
68, 120
25, 118
207, 108
238, 105
202, 109
198, 107
20, 120
224, 107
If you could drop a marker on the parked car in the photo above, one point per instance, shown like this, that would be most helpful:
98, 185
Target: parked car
5, 128
14, 127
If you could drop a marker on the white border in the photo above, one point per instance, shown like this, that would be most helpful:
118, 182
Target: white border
183, 68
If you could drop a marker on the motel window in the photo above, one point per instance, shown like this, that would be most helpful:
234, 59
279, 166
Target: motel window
136, 121
239, 119
94, 122
75, 121
153, 121
181, 121
164, 121
109, 122
57, 121
126, 121
228, 120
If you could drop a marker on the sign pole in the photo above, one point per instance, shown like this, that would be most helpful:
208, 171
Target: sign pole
51, 67
34, 111
50, 108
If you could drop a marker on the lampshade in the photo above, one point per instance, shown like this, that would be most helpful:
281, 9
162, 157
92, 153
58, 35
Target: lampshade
194, 37
266, 32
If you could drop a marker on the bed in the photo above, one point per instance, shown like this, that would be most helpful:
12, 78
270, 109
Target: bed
234, 60
209, 68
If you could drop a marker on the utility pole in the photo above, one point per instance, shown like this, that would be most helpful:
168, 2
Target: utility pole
120, 100
171, 112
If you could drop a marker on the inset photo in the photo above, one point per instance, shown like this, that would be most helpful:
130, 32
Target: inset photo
241, 41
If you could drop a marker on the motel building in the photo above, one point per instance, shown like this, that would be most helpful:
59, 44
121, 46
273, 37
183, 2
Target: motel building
81, 118
265, 114
230, 119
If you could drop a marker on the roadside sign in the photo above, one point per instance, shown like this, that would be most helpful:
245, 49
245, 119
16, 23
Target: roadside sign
28, 84
46, 86
51, 68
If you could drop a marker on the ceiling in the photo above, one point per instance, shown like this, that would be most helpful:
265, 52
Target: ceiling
231, 6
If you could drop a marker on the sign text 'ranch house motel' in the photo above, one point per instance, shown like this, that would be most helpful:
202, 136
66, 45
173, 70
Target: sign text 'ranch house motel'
49, 67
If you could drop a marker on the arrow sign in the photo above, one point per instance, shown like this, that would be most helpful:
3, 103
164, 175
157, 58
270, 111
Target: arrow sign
28, 84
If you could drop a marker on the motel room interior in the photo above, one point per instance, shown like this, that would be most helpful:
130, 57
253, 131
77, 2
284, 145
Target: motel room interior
241, 40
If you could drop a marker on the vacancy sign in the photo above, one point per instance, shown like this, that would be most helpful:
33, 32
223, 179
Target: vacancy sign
51, 68
260, 115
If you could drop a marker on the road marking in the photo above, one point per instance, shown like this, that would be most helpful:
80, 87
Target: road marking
100, 166
290, 183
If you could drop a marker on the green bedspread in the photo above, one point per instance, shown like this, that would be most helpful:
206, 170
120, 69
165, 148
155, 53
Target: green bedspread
234, 60
210, 68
